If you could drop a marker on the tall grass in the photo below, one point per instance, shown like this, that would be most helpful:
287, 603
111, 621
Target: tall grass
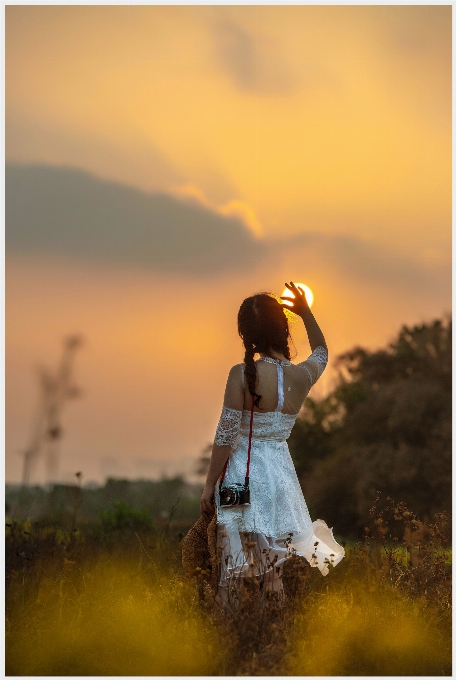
97, 605
361, 629
112, 599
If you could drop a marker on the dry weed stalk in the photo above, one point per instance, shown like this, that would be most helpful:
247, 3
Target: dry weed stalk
409, 553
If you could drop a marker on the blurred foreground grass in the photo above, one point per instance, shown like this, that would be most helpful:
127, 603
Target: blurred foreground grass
358, 628
111, 599
99, 605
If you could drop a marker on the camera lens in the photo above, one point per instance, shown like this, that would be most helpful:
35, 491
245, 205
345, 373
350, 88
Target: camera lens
229, 497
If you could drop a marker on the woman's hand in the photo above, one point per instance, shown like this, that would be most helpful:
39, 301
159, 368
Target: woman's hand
299, 302
207, 503
300, 307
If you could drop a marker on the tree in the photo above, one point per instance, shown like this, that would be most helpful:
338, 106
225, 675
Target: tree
386, 426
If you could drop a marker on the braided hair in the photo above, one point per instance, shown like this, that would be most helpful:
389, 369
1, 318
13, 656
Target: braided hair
263, 327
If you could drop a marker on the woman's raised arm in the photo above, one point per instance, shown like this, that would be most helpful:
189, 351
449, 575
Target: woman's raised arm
298, 305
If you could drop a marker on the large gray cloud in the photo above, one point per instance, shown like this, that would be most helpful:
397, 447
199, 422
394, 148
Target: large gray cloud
56, 210
61, 210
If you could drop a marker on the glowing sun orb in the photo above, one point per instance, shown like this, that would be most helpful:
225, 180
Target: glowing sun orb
307, 292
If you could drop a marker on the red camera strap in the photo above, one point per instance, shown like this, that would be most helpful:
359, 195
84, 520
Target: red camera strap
247, 474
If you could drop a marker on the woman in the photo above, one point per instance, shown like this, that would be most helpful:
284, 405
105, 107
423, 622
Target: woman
255, 539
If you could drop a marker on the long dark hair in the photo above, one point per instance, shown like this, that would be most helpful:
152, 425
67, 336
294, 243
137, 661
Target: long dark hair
263, 327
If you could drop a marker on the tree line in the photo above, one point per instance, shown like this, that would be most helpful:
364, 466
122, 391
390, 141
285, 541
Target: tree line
386, 427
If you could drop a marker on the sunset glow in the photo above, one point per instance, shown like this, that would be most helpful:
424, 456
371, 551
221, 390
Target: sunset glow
163, 163
307, 292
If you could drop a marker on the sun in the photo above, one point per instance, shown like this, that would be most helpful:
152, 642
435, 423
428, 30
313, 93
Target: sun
307, 291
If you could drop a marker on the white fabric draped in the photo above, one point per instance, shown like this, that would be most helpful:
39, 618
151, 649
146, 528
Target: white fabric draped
258, 538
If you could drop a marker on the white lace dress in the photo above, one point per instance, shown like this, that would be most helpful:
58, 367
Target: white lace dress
258, 538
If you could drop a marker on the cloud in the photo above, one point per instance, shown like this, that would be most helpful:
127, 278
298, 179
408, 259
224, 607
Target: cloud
61, 210
368, 262
233, 208
416, 30
252, 61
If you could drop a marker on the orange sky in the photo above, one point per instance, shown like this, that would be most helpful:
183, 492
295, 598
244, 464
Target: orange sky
317, 137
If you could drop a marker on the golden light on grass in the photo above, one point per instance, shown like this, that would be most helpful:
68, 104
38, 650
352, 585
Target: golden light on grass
307, 292
111, 602
367, 629
112, 618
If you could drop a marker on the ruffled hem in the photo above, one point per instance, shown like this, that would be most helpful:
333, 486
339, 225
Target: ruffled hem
323, 549
244, 553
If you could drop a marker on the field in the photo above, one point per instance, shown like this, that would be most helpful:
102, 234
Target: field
111, 598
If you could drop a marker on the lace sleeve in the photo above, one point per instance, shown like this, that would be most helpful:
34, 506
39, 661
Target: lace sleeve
315, 363
228, 427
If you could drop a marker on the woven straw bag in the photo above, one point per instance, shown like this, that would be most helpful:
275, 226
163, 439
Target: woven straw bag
199, 549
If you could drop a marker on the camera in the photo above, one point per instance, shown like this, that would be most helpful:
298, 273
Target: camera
234, 494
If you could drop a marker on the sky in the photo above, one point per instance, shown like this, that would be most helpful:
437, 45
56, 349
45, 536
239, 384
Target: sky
165, 162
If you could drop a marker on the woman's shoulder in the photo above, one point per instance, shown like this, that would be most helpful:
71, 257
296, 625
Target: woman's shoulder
236, 373
234, 392
237, 368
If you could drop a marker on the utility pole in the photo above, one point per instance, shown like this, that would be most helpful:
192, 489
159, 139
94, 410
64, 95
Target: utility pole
55, 390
